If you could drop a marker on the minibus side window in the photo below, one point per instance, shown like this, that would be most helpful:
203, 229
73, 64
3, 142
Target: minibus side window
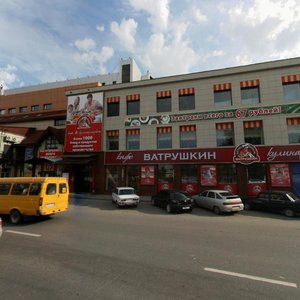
35, 189
62, 188
51, 189
4, 188
20, 189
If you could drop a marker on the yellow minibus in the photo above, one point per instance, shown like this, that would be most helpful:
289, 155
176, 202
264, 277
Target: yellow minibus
33, 196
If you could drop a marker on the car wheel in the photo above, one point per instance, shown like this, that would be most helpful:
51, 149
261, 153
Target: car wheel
16, 217
289, 213
216, 210
247, 206
169, 208
153, 202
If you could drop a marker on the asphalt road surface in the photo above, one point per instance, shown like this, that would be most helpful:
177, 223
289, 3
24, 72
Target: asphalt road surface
96, 251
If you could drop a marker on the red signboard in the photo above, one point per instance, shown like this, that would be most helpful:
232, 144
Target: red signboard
147, 175
51, 154
286, 153
280, 175
208, 175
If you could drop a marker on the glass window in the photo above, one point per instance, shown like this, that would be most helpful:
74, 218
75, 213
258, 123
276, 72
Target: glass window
164, 104
60, 122
222, 98
225, 134
20, 189
126, 73
188, 137
250, 95
63, 188
2, 111
112, 140
256, 173
23, 109
111, 181
35, 189
133, 107
132, 141
51, 142
187, 102
4, 188
293, 131
51, 189
48, 106
12, 110
35, 108
227, 173
113, 109
164, 137
291, 91
165, 176
254, 136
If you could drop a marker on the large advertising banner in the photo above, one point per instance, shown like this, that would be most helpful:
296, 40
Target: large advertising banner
280, 175
208, 175
84, 123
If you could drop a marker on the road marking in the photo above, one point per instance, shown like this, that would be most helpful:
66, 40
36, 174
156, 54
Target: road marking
285, 283
23, 233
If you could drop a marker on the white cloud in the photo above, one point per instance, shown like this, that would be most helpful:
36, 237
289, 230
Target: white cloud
86, 44
125, 32
8, 76
198, 15
100, 28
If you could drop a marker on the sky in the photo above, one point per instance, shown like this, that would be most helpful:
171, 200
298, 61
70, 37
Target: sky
52, 40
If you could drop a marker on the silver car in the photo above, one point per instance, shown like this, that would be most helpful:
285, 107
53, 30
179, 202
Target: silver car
0, 227
219, 201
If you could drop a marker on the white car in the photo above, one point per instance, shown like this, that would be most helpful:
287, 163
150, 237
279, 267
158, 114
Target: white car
125, 196
0, 227
219, 201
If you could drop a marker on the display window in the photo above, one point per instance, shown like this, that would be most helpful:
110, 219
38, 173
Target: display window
165, 176
189, 179
280, 175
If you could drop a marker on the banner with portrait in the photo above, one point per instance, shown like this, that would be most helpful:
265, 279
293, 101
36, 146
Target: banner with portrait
84, 123
280, 175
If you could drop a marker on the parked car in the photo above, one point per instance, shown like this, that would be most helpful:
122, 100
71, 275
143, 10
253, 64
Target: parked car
1, 227
284, 202
173, 200
219, 201
125, 196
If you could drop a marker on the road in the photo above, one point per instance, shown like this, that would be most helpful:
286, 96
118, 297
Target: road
96, 251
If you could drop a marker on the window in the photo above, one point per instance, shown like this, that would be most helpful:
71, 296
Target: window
59, 122
225, 134
63, 188
227, 173
250, 92
253, 132
51, 189
23, 109
20, 189
126, 73
2, 111
164, 137
12, 110
291, 87
293, 127
165, 176
133, 104
111, 181
164, 101
188, 136
112, 140
133, 139
35, 189
51, 142
222, 94
186, 99
189, 178
4, 188
256, 173
35, 108
113, 106
48, 106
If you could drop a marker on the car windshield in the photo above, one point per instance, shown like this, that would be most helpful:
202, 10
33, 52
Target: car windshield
126, 191
180, 196
292, 197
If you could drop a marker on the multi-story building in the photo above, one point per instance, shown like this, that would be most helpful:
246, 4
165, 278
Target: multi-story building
235, 128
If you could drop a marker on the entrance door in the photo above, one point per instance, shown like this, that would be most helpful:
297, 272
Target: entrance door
296, 178
133, 176
82, 178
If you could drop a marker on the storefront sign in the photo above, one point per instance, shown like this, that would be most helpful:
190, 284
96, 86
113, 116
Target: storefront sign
52, 155
241, 113
84, 123
246, 154
147, 175
285, 153
280, 175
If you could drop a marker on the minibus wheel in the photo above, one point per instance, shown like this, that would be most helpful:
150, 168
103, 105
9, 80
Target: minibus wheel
16, 217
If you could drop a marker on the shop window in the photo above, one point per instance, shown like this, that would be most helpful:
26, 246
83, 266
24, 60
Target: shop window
164, 137
48, 106
225, 134
250, 92
12, 110
35, 108
256, 173
189, 178
111, 180
222, 94
291, 87
164, 101
133, 139
51, 142
293, 128
253, 132
133, 104
188, 136
112, 140
23, 109
60, 122
186, 99
133, 178
227, 174
165, 175
113, 106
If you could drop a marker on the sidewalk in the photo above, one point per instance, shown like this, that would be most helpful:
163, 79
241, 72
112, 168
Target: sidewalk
102, 197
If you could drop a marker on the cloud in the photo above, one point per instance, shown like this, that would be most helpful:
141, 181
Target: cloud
86, 44
125, 32
8, 76
100, 28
